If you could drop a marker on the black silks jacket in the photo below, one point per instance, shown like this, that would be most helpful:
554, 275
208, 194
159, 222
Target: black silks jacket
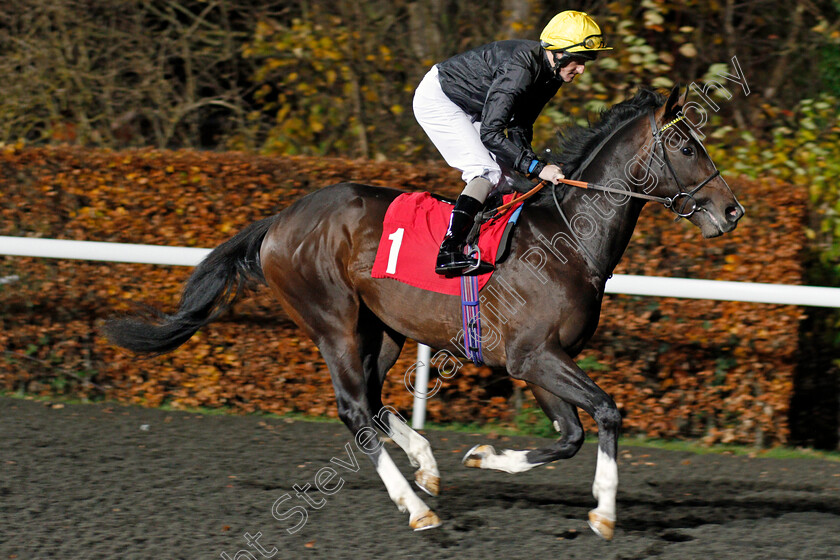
505, 85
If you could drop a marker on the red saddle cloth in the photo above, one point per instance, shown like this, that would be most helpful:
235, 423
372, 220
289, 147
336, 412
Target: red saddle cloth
414, 226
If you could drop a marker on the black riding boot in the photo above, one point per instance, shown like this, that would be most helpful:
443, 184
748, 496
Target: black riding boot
451, 260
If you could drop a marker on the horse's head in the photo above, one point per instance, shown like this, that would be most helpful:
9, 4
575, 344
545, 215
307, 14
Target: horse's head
686, 173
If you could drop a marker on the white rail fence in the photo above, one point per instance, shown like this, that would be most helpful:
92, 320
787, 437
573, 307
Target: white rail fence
811, 296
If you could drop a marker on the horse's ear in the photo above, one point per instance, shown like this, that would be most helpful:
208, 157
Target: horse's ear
683, 97
675, 101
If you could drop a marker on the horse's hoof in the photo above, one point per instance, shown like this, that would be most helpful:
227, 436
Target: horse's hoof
603, 526
427, 482
428, 520
476, 454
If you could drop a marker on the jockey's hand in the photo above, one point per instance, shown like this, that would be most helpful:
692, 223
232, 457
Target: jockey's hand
552, 173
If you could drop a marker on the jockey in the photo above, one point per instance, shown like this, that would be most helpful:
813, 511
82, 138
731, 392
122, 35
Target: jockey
478, 108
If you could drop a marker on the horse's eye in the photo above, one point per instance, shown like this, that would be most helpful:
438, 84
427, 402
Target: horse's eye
687, 151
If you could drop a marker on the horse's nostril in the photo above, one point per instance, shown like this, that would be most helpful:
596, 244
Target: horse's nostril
733, 213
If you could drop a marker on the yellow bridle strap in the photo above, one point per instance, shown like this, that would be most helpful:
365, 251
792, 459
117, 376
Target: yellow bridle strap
670, 124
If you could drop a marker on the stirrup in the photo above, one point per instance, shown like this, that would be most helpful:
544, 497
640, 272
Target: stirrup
460, 264
478, 266
453, 264
470, 269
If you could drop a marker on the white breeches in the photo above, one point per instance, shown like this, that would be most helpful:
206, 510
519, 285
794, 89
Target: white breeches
453, 133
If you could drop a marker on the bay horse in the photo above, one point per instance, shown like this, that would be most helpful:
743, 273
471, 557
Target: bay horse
316, 257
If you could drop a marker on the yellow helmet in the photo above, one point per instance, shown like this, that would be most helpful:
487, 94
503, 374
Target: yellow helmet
573, 32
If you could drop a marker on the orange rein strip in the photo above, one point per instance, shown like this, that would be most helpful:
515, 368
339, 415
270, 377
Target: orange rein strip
535, 190
581, 184
519, 199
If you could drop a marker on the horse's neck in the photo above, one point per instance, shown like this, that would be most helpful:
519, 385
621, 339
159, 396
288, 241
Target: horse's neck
615, 220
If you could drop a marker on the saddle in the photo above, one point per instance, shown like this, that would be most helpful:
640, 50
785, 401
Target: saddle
413, 227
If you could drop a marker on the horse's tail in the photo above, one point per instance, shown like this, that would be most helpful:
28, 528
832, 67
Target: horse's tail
211, 289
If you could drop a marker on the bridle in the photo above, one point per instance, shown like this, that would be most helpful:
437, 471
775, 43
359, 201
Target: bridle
687, 195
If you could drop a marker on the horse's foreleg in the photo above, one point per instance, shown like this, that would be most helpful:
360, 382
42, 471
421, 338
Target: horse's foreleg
553, 370
485, 456
565, 419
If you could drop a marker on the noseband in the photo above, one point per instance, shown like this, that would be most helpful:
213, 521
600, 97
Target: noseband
687, 196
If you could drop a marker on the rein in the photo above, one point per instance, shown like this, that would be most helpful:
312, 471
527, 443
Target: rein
518, 199
669, 202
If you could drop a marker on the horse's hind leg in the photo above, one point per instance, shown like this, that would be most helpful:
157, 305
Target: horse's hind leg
383, 353
310, 259
566, 421
427, 475
344, 357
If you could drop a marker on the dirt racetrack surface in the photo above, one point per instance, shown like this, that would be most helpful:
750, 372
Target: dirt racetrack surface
107, 481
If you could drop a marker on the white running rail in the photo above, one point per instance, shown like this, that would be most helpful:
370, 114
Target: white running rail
785, 294
99, 251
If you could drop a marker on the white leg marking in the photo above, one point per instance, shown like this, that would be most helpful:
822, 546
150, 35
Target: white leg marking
606, 485
402, 494
415, 446
509, 460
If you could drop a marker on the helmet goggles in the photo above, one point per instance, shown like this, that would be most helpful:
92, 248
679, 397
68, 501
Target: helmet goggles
592, 42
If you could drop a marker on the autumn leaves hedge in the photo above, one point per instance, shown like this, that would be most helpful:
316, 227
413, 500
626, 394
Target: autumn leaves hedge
721, 371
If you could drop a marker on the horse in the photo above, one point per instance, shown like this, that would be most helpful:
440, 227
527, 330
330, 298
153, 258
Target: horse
317, 254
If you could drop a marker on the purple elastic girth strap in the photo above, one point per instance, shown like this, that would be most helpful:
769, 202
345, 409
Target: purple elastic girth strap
471, 318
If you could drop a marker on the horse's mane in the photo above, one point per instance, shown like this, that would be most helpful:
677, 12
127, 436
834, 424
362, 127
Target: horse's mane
576, 143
